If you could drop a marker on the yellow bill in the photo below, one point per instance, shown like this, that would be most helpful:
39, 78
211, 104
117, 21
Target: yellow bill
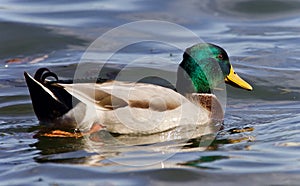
235, 80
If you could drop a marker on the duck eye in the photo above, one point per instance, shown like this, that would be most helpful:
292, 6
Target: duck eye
220, 56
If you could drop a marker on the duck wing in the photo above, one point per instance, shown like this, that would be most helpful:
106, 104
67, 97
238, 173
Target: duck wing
114, 94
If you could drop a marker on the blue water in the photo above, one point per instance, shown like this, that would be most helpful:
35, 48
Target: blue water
262, 39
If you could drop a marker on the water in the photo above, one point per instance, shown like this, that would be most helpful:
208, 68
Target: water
262, 39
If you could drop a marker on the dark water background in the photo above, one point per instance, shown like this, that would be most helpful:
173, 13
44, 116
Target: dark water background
262, 39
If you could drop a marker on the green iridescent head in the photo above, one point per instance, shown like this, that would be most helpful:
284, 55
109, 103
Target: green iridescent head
204, 67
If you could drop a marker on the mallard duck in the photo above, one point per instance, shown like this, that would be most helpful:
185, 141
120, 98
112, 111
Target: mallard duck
137, 108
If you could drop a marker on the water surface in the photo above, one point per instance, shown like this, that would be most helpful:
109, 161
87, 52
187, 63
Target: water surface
262, 39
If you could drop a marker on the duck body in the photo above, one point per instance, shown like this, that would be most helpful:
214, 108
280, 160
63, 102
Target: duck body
135, 108
120, 107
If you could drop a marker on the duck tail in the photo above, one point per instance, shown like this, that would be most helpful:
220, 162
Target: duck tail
49, 100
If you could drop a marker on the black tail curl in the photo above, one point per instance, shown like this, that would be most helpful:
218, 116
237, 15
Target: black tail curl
43, 73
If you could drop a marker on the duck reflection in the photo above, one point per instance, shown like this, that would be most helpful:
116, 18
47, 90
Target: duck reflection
97, 148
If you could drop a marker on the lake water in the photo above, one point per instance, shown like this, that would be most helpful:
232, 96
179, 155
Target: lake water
258, 145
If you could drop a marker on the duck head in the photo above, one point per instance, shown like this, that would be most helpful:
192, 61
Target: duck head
203, 67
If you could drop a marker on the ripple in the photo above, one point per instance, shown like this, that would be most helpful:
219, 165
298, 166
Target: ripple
255, 9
